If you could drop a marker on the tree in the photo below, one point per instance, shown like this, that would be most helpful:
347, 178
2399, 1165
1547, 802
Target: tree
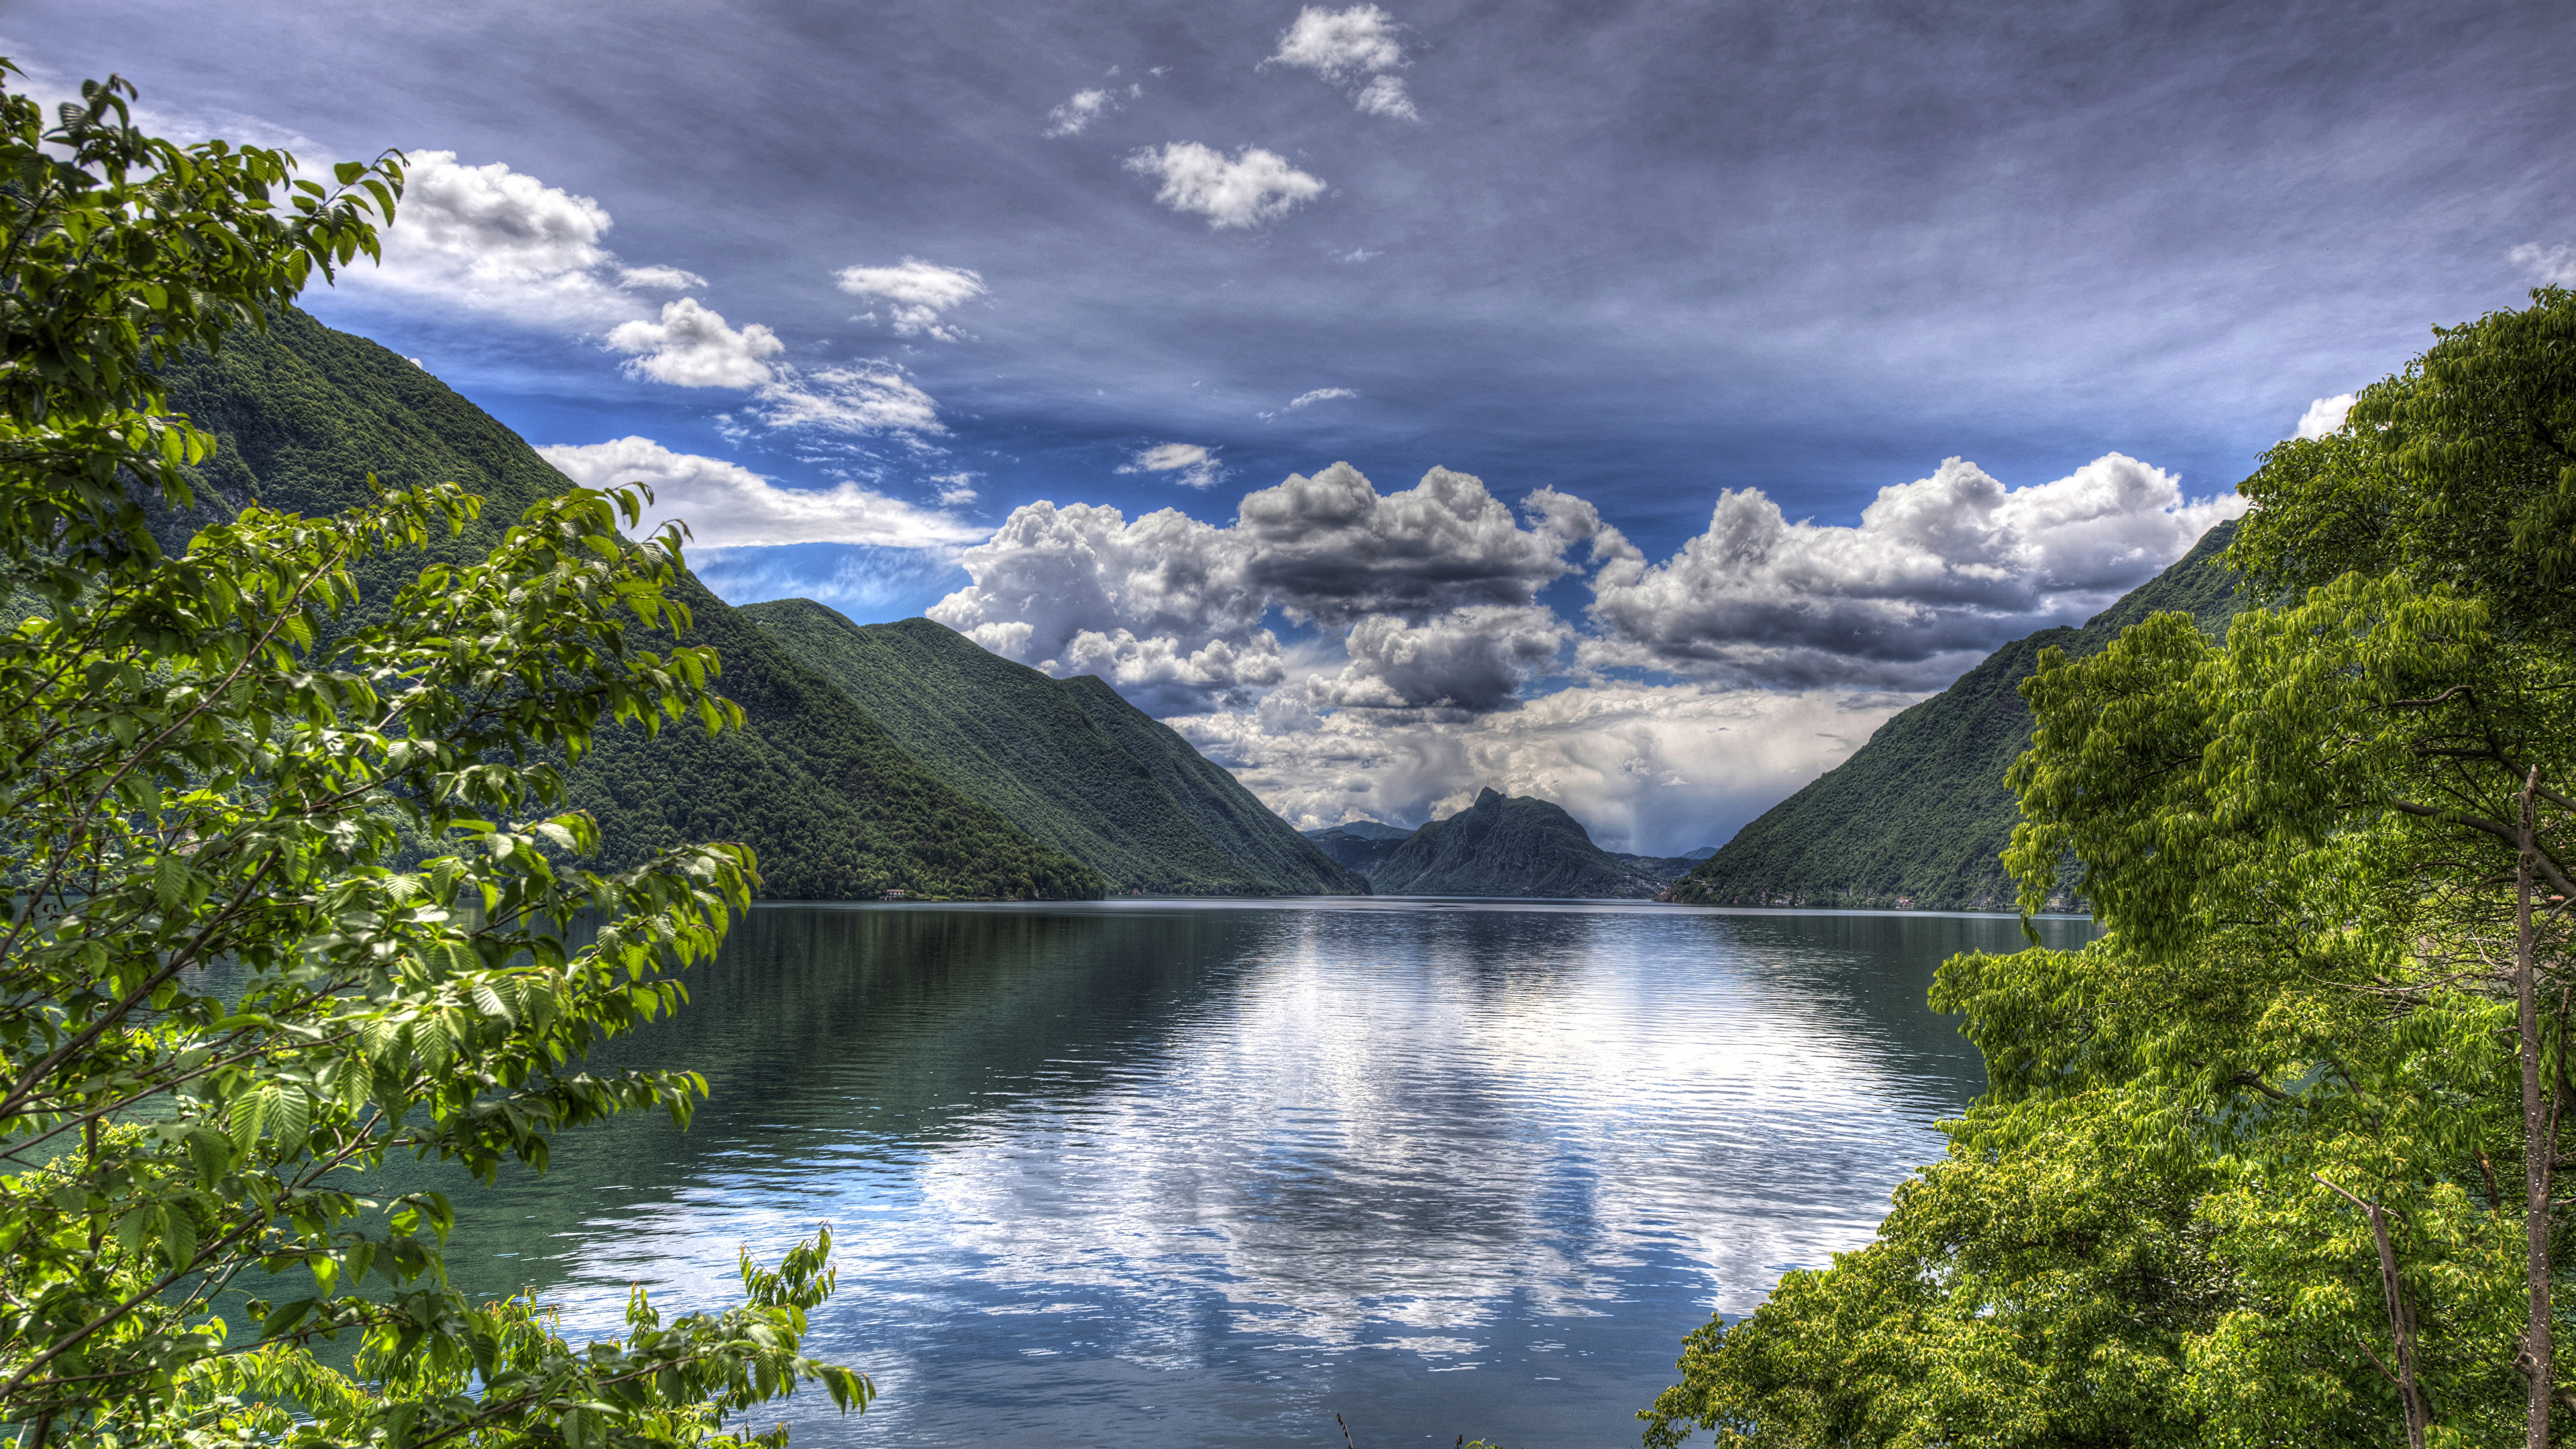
2329, 1015
219, 995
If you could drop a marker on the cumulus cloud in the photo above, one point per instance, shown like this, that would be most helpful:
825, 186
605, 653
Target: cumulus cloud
916, 294
1244, 190
1331, 549
692, 347
1471, 659
2325, 415
494, 239
728, 506
2549, 266
1356, 48
1406, 573
1938, 572
1195, 466
1654, 769
955, 489
1160, 607
1341, 44
1079, 111
1385, 96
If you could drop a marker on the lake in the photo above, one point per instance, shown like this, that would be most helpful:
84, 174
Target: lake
1178, 1172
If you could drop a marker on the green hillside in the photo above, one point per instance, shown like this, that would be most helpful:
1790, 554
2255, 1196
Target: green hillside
1919, 815
1250, 833
1066, 760
1508, 846
830, 801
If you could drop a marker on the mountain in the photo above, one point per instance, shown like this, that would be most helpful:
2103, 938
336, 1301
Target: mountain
831, 802
1068, 761
1356, 851
1499, 846
1919, 815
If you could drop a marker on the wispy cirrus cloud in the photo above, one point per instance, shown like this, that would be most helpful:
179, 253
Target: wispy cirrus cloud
729, 506
916, 294
1191, 464
2549, 266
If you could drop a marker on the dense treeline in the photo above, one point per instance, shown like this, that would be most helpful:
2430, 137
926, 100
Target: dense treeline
1919, 816
2275, 1160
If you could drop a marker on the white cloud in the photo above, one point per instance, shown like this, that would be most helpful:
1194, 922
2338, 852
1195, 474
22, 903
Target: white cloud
1060, 585
1939, 572
1196, 465
1249, 188
1321, 394
1341, 44
659, 279
692, 347
2549, 266
1161, 607
862, 398
1656, 769
1330, 548
494, 239
1079, 111
916, 292
1356, 48
1472, 659
728, 506
955, 489
2325, 415
1385, 96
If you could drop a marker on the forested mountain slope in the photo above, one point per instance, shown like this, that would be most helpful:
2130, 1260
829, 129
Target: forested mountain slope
1068, 761
1919, 815
1507, 846
830, 801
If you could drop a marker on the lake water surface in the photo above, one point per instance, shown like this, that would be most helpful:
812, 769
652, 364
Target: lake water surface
1167, 1173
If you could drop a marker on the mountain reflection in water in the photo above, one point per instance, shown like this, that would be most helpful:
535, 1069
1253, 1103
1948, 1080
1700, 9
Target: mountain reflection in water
1208, 1173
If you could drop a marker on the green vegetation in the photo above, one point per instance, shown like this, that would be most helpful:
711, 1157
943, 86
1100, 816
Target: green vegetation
217, 992
833, 805
2274, 1161
1068, 761
1502, 846
1920, 815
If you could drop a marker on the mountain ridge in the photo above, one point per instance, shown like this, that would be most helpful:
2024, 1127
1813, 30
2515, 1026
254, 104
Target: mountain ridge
834, 809
1069, 761
1919, 815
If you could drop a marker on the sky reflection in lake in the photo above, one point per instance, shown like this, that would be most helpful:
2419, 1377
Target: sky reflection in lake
1176, 1172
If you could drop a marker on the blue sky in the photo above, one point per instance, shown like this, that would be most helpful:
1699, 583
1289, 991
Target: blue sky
859, 287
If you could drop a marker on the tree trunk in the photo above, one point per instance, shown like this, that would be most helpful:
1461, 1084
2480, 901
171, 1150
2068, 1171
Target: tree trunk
2540, 1145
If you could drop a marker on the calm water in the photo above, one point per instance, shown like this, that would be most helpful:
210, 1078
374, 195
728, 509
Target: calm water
1205, 1174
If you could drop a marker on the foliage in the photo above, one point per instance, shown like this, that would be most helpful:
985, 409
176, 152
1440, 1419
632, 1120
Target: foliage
2328, 1023
1921, 813
1066, 760
217, 996
834, 805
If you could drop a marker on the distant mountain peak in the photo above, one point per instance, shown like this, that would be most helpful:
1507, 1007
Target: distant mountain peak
1488, 795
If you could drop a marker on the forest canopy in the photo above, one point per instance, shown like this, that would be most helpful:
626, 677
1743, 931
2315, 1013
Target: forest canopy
2273, 1160
229, 982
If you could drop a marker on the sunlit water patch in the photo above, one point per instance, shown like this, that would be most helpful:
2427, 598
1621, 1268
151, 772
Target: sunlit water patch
1183, 1173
